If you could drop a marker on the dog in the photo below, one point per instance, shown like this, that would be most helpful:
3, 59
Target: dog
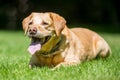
53, 44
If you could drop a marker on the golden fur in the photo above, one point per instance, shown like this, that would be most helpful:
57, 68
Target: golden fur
75, 45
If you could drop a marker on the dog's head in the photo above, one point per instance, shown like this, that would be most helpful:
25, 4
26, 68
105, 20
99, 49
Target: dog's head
42, 26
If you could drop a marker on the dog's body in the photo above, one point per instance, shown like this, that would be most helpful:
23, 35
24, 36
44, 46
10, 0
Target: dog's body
65, 46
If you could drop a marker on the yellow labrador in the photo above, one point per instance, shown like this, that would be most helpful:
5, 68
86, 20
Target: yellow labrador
53, 44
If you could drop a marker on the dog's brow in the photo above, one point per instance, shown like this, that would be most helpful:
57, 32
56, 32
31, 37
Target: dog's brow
37, 20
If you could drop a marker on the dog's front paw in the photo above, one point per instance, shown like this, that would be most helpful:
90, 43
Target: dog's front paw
33, 65
30, 66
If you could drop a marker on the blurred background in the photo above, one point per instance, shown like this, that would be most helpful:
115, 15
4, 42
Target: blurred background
101, 15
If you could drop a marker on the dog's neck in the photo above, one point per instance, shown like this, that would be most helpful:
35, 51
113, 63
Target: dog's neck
56, 49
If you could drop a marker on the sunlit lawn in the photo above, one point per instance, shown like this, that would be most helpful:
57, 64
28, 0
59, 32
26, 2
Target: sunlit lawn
14, 60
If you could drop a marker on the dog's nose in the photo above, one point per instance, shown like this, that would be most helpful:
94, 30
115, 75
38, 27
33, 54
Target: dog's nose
32, 30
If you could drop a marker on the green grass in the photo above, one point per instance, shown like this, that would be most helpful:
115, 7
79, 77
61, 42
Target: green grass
14, 60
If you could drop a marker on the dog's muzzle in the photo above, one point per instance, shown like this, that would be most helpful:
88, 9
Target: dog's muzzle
37, 43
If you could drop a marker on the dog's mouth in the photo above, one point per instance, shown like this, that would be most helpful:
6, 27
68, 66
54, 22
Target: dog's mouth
37, 43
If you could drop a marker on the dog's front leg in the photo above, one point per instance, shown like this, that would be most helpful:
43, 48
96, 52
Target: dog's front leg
64, 64
34, 61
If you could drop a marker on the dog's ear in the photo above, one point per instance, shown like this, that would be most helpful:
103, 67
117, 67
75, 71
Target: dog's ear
58, 22
25, 23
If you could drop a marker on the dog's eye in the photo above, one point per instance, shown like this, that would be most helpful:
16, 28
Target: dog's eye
44, 23
31, 23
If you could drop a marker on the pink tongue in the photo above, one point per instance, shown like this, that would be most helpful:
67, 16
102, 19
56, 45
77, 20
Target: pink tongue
34, 47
